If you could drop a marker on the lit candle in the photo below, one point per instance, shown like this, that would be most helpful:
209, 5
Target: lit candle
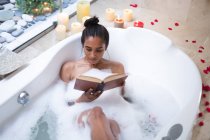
110, 14
63, 19
119, 23
83, 9
128, 15
45, 3
76, 27
85, 18
35, 11
46, 10
60, 32
138, 23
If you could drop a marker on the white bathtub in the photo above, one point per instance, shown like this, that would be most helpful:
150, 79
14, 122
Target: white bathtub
151, 55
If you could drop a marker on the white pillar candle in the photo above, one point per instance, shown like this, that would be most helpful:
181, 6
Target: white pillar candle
60, 32
85, 18
63, 18
110, 14
128, 15
119, 23
76, 27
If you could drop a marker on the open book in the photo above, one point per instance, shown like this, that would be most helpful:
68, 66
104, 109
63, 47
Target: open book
99, 80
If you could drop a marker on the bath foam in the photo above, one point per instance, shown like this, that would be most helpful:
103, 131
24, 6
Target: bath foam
142, 119
19, 127
113, 105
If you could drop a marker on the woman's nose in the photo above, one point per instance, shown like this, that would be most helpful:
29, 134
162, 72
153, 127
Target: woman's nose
92, 54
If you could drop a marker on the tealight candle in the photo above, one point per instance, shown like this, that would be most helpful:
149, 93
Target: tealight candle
128, 15
138, 23
85, 18
46, 10
119, 23
110, 14
63, 19
83, 9
60, 32
76, 27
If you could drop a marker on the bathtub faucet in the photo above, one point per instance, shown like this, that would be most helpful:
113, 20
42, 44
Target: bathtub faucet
23, 98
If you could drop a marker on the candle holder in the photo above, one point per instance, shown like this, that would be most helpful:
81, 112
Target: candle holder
83, 9
119, 23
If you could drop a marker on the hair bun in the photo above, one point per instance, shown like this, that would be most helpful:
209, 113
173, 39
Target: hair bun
91, 21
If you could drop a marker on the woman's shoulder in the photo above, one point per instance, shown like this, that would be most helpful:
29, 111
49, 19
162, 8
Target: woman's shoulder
66, 69
116, 67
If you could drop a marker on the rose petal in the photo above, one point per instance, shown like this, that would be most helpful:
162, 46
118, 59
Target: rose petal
205, 87
170, 29
152, 23
138, 24
205, 71
200, 51
206, 103
208, 68
208, 109
176, 24
156, 20
194, 41
203, 95
200, 114
134, 5
201, 47
201, 123
203, 61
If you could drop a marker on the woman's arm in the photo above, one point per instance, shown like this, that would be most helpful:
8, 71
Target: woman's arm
66, 71
119, 68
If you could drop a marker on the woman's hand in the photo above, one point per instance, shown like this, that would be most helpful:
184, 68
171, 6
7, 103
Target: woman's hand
89, 96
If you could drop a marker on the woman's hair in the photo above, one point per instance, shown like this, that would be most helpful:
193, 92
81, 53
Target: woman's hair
92, 28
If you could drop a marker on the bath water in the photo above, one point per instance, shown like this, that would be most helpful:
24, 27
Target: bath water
49, 117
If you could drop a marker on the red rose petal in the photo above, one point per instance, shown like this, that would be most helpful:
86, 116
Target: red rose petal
156, 20
206, 103
203, 95
170, 29
201, 123
203, 61
208, 109
200, 51
176, 24
200, 114
208, 68
205, 71
152, 23
206, 87
134, 5
138, 24
186, 41
194, 41
201, 47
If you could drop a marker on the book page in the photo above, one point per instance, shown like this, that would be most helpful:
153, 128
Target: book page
97, 73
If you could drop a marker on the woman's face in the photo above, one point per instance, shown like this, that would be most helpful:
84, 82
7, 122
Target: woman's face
94, 49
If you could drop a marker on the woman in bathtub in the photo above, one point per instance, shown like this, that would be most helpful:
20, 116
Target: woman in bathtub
95, 40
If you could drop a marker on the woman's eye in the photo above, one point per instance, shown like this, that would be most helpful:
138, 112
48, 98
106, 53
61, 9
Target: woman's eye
89, 50
100, 50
